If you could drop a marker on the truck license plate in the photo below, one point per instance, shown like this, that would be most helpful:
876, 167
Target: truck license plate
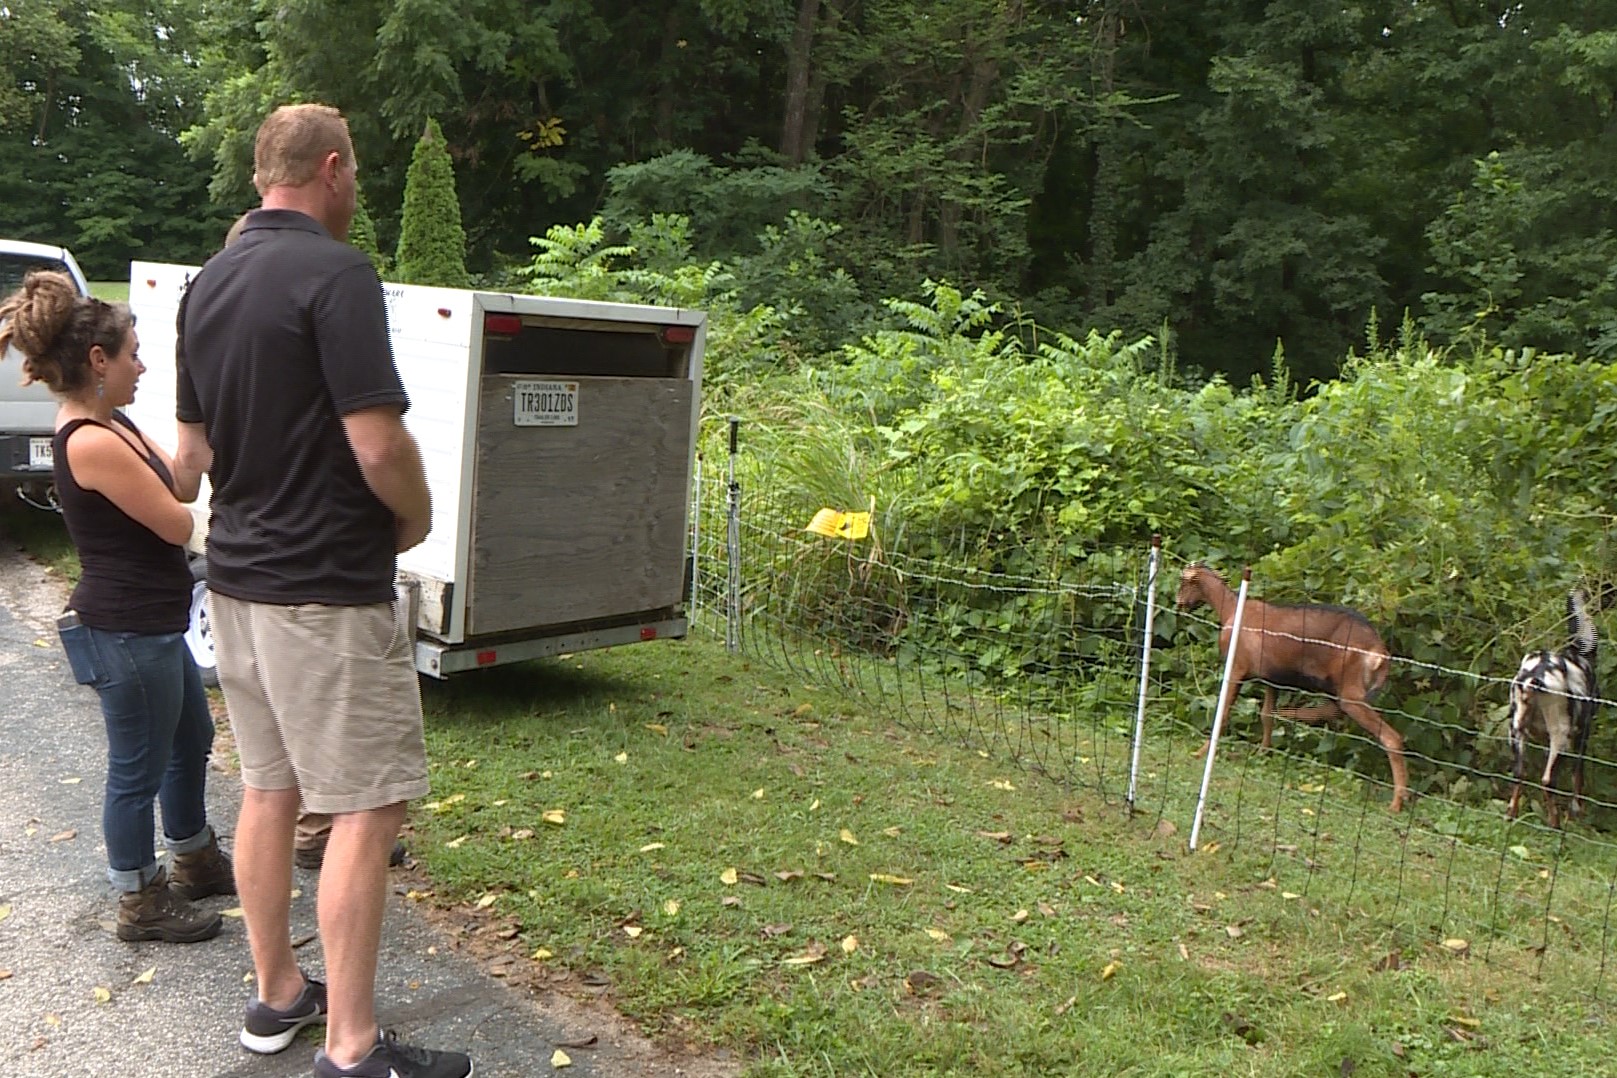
545, 404
41, 454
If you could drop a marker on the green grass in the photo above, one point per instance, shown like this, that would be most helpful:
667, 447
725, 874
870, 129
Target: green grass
675, 762
111, 291
985, 921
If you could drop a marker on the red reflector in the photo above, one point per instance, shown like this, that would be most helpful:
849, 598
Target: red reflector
648, 632
506, 325
485, 658
443, 312
679, 334
151, 283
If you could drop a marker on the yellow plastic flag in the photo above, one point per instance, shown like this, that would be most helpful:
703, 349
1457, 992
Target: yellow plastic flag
837, 525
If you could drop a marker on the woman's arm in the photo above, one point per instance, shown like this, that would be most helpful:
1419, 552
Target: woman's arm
101, 460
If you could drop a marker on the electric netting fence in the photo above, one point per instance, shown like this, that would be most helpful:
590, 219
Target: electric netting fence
1057, 672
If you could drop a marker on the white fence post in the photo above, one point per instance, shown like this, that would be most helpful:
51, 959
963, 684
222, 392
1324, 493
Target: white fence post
732, 614
1145, 664
1219, 713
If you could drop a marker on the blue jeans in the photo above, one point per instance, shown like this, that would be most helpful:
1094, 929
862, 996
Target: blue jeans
159, 737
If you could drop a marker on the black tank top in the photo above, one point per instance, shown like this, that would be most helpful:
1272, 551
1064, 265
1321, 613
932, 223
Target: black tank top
131, 581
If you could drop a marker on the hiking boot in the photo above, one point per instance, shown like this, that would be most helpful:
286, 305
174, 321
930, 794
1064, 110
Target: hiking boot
391, 1059
267, 1030
155, 912
203, 873
312, 857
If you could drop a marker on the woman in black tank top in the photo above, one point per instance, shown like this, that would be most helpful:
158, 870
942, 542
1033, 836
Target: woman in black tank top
124, 633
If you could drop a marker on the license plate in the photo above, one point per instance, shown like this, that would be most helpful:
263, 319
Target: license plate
41, 453
545, 404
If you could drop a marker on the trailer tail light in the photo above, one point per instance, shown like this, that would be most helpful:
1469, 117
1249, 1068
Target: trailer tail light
679, 334
648, 632
486, 658
502, 325
444, 312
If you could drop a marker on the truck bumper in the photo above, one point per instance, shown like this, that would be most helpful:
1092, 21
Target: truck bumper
26, 457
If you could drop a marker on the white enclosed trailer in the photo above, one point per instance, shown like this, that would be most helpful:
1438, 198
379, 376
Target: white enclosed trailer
558, 436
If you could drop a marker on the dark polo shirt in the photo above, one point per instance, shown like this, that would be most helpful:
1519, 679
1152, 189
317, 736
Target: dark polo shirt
280, 335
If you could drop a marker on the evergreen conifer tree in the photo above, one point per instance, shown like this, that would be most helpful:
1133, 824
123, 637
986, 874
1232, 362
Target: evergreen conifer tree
432, 243
362, 234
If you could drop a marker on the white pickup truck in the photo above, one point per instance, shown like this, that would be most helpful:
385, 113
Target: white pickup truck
28, 413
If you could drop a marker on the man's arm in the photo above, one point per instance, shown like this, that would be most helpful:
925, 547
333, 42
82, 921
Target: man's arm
390, 461
193, 456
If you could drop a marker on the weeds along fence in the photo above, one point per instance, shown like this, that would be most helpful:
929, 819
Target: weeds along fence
1057, 672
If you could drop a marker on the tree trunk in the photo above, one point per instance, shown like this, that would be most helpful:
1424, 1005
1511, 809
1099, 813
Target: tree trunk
664, 125
1104, 200
794, 145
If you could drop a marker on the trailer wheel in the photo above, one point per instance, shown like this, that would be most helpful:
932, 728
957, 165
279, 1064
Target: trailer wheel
198, 633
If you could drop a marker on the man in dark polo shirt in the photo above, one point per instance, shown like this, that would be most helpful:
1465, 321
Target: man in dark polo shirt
289, 398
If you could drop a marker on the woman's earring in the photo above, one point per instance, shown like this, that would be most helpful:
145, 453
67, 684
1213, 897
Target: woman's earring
100, 386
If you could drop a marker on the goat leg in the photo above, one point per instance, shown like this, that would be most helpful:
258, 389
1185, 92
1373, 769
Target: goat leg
1391, 741
1552, 808
1267, 715
1228, 705
1313, 715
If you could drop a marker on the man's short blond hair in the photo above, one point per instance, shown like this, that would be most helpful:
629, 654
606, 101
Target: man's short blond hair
294, 140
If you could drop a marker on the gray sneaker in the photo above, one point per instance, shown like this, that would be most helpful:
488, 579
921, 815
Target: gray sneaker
392, 1059
267, 1030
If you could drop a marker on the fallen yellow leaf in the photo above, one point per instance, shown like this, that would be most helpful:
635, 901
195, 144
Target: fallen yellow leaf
939, 935
74, 781
815, 806
487, 900
1110, 970
146, 977
847, 836
1466, 1021
959, 890
657, 728
554, 816
622, 757
651, 847
890, 832
1001, 784
560, 1059
100, 994
5, 911
850, 944
758, 794
804, 959
522, 833
543, 953
457, 843
1019, 916
671, 907
234, 911
728, 877
445, 804
1338, 997
896, 881
632, 931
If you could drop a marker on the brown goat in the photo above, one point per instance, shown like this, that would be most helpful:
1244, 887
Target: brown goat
1330, 650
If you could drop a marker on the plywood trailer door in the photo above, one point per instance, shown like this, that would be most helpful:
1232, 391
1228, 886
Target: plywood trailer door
581, 522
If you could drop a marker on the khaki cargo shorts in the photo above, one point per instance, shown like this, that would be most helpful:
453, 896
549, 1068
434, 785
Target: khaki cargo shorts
324, 699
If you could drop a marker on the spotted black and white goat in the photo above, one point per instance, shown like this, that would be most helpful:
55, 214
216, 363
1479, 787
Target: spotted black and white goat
1552, 700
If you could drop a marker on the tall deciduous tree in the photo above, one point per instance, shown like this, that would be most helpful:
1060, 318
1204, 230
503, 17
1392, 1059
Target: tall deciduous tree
432, 243
94, 98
